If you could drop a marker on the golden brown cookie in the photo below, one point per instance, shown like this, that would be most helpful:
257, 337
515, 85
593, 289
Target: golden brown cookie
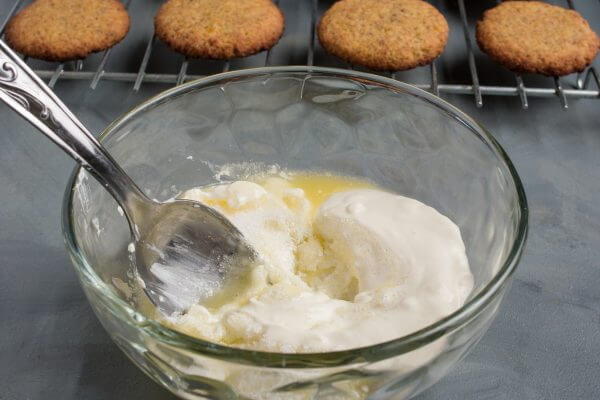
384, 34
219, 29
61, 30
535, 37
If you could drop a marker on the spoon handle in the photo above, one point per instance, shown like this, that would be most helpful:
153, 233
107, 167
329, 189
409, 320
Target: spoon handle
23, 91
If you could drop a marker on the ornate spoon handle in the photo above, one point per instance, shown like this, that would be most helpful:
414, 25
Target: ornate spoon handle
25, 93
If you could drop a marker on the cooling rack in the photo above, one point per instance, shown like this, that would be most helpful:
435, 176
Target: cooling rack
587, 83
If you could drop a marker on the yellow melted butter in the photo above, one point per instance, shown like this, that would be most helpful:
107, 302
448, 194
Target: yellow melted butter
318, 187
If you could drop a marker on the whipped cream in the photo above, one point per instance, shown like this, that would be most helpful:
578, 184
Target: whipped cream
361, 267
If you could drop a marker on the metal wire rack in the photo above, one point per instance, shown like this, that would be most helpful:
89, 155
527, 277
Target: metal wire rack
583, 87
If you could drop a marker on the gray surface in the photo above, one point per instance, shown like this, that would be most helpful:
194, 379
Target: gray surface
543, 345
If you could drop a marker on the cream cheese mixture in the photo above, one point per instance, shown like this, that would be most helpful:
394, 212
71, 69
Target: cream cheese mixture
343, 265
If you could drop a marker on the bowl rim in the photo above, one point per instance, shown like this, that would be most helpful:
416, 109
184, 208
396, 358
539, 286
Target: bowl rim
375, 352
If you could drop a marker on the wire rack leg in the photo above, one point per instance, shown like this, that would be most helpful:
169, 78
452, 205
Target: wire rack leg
579, 82
522, 92
560, 93
182, 72
310, 58
591, 73
434, 79
57, 73
144, 64
471, 56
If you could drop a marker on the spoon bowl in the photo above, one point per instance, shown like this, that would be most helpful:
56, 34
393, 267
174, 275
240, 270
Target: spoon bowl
189, 252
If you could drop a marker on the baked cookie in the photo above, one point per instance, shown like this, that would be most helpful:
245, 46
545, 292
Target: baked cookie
535, 37
61, 30
219, 29
384, 34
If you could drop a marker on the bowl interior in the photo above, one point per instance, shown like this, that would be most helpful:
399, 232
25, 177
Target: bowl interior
401, 138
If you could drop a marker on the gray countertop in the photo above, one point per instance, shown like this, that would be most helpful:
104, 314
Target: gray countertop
544, 344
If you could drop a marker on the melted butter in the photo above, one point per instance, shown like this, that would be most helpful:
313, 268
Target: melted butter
318, 187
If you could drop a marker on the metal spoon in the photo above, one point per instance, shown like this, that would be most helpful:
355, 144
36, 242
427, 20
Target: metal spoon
184, 251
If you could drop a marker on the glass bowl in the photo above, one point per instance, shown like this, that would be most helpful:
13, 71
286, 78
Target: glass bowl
300, 118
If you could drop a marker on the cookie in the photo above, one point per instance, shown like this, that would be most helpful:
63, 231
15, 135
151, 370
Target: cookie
219, 29
384, 34
535, 37
61, 30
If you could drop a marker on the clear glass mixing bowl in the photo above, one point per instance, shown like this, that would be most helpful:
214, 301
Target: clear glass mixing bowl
301, 118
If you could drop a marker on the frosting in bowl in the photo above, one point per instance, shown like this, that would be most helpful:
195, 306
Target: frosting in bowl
343, 265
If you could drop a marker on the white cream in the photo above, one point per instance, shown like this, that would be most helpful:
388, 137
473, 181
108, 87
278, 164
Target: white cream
370, 266
394, 241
